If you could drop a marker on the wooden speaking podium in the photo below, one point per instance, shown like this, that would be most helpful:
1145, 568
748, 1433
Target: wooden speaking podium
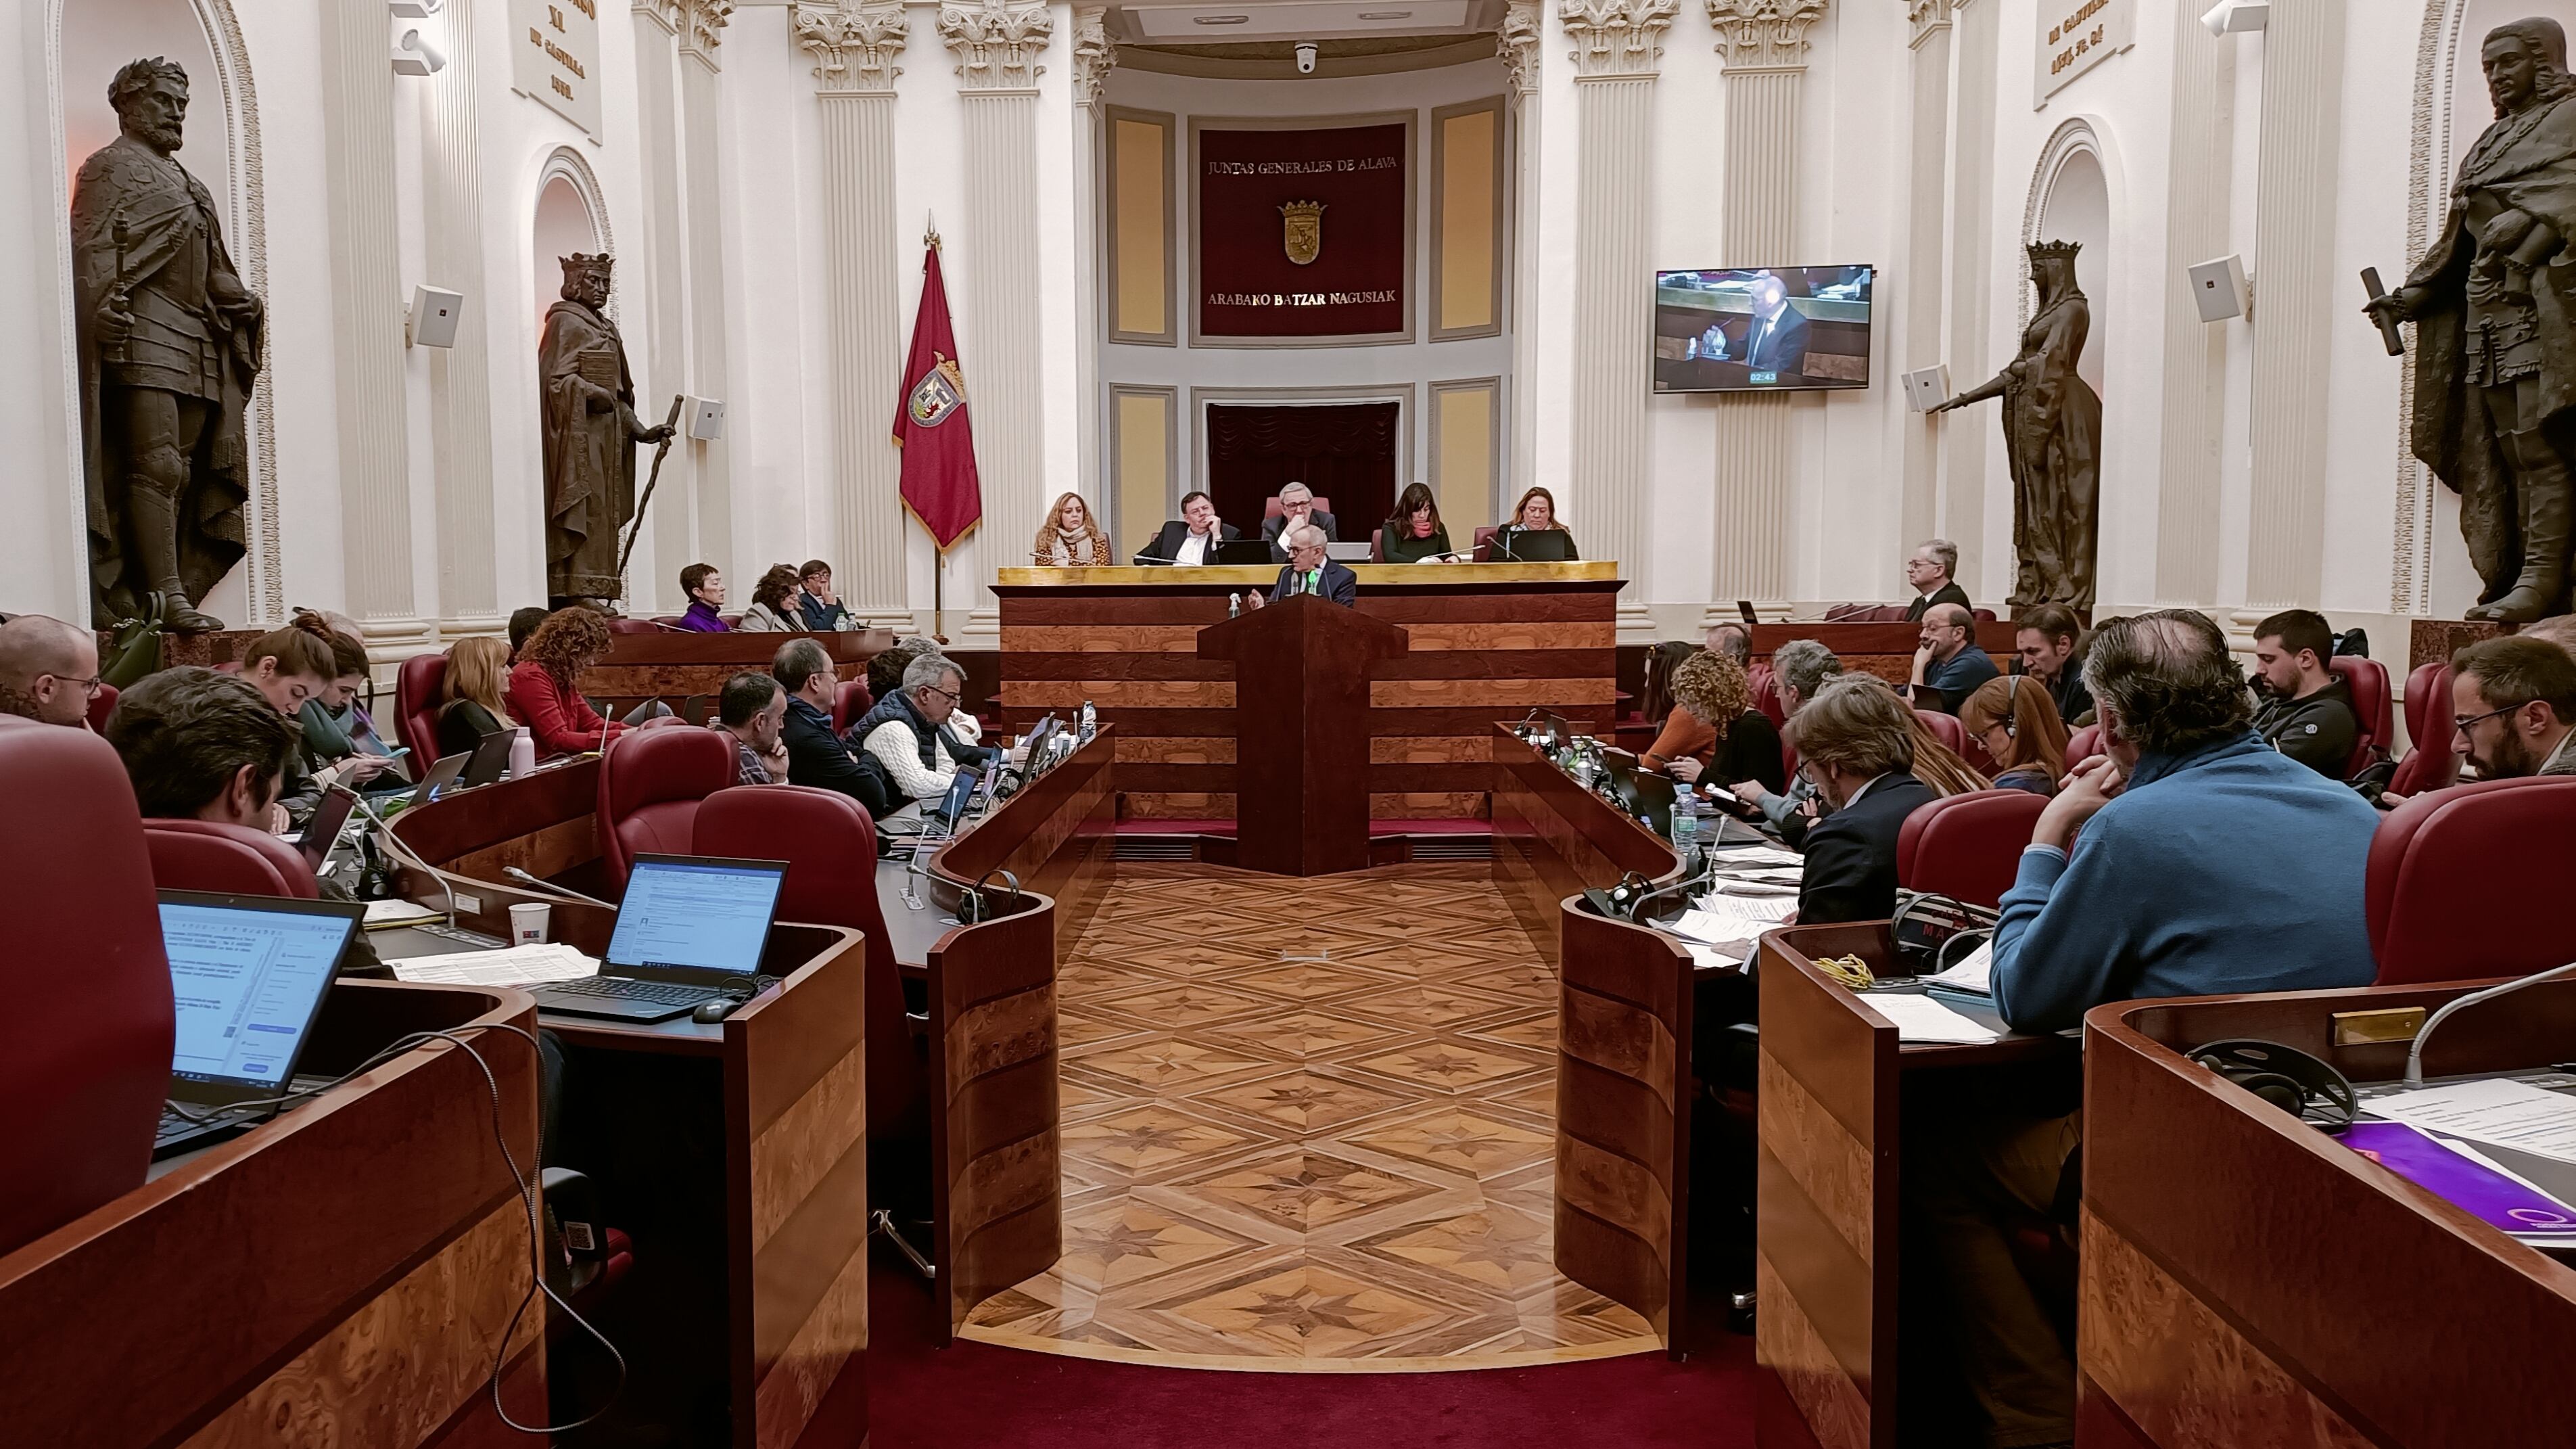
1301, 731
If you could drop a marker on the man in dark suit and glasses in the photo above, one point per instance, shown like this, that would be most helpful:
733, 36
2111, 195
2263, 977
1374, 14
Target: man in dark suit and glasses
1191, 538
1854, 743
1309, 572
1296, 507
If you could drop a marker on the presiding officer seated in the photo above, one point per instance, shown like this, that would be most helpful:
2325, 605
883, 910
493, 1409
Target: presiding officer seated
1855, 741
2209, 862
1192, 538
1296, 510
1309, 572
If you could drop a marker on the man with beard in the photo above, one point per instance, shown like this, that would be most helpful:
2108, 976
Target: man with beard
2512, 703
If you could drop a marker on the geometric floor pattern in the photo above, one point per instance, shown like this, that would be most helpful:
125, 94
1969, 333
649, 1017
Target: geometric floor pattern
1308, 1125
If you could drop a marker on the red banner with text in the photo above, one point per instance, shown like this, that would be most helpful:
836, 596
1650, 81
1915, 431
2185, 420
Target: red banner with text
1301, 233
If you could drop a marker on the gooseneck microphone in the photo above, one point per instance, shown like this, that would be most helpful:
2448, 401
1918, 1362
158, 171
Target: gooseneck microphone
550, 888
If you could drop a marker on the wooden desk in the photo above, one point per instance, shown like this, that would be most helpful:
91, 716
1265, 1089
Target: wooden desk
545, 824
1886, 650
1489, 642
676, 664
341, 1274
1554, 839
1833, 1086
2247, 1280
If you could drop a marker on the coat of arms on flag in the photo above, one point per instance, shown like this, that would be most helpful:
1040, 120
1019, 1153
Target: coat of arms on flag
940, 392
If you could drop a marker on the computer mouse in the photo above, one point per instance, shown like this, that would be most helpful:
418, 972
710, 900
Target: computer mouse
715, 1008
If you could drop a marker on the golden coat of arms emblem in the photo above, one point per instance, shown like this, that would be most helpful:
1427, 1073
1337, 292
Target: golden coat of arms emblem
1303, 223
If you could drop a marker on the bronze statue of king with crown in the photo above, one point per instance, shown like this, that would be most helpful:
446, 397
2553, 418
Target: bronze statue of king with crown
591, 433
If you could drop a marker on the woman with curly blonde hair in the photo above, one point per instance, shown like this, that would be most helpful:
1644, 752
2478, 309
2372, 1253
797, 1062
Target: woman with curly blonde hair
1069, 539
1714, 729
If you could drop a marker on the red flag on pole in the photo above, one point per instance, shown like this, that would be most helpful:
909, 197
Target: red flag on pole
930, 425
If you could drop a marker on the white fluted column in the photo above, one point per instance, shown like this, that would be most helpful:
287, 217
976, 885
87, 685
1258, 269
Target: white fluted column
460, 377
1618, 44
653, 284
1962, 516
1094, 57
1517, 43
1926, 208
2195, 352
367, 324
998, 44
1764, 43
854, 48
702, 27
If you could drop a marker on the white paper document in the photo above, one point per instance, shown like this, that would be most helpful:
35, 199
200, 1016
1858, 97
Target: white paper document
1721, 918
1972, 972
1712, 958
2498, 1112
1920, 1018
383, 914
509, 966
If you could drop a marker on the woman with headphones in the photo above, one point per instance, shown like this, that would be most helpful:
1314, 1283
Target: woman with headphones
2017, 722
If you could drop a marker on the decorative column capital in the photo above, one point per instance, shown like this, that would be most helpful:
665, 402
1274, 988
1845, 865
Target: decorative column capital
997, 42
1616, 38
854, 45
1764, 34
1924, 18
1094, 57
1517, 42
702, 23
665, 13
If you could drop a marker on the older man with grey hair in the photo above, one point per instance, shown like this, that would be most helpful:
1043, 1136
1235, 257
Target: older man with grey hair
48, 670
1310, 572
909, 731
1296, 510
1932, 569
1798, 669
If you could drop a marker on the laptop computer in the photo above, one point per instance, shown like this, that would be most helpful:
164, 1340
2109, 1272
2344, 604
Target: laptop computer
691, 928
440, 776
1646, 793
248, 974
951, 805
491, 756
1349, 553
322, 829
1244, 552
1539, 545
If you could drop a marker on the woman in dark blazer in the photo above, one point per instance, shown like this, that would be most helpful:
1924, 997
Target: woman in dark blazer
1415, 533
478, 670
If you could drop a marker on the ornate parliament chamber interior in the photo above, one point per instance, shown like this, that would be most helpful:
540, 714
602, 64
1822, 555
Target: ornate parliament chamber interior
957, 724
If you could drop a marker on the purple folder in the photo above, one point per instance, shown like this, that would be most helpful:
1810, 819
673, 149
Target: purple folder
2467, 1184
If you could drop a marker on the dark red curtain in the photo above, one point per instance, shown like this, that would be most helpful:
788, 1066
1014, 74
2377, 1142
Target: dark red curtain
1345, 452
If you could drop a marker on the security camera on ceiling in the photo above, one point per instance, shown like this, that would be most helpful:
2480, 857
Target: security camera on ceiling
1305, 57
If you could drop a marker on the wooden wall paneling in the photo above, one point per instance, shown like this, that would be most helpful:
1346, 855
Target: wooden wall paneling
996, 1181
676, 665
342, 1274
1825, 1197
1623, 1105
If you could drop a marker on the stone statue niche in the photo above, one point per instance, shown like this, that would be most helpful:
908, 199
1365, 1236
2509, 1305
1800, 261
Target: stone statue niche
2495, 356
170, 344
2052, 439
590, 431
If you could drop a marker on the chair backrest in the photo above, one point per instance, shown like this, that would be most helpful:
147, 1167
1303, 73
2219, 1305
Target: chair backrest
101, 705
650, 784
849, 701
2083, 745
2431, 760
1377, 545
1948, 728
1270, 508
2368, 681
1484, 548
201, 855
1866, 614
2471, 882
1766, 691
418, 683
633, 626
85, 1049
1967, 847
830, 847
1982, 616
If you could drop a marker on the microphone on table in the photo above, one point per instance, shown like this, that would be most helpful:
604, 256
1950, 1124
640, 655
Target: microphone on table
1146, 555
1503, 542
2424, 1033
550, 888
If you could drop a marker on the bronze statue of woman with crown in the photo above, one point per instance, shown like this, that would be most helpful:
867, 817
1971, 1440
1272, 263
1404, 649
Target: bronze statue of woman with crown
591, 432
2052, 438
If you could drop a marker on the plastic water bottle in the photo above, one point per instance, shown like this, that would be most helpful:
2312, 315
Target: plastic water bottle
1090, 722
1234, 606
1685, 826
523, 754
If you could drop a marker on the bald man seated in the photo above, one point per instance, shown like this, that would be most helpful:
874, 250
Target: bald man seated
48, 670
1948, 665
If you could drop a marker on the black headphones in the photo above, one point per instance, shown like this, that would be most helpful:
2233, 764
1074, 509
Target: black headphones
972, 909
1621, 899
2303, 1086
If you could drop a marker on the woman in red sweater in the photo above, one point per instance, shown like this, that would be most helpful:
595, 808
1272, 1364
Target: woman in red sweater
541, 693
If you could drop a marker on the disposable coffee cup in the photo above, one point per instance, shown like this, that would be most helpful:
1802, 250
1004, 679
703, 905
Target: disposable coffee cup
528, 922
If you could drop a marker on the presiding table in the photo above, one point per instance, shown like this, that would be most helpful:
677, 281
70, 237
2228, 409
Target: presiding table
1486, 642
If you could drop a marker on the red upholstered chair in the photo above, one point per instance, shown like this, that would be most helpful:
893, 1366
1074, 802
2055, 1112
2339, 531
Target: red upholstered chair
1484, 546
1967, 847
1788, 760
2368, 681
1982, 616
664, 722
1377, 545
633, 626
2472, 881
2083, 745
101, 705
201, 855
1865, 614
418, 683
86, 1056
2431, 761
849, 701
650, 783
1766, 692
1948, 728
1270, 508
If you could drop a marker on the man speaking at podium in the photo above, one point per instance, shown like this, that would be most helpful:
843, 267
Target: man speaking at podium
1309, 572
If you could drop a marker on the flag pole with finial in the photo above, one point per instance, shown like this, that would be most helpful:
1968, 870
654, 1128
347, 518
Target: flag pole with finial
938, 556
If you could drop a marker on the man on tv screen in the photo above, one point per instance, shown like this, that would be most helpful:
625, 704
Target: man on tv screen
1775, 336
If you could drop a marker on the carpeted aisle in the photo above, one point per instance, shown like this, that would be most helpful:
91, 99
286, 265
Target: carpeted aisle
975, 1396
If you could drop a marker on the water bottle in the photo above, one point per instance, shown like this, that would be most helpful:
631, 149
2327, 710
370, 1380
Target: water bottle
523, 754
1090, 722
1234, 606
1685, 826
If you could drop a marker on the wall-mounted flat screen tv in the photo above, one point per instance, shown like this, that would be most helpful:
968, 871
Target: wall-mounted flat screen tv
1762, 329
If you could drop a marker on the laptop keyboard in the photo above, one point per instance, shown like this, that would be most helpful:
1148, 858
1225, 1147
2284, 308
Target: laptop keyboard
627, 988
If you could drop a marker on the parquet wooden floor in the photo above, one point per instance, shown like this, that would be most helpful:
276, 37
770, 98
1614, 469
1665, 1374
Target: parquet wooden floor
1308, 1125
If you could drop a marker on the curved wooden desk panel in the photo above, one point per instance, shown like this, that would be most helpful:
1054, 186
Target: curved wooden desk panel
1057, 836
1553, 838
342, 1274
675, 664
996, 1180
545, 824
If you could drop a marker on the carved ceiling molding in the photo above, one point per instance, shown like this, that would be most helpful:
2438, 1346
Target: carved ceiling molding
1616, 39
1764, 34
1925, 19
1094, 56
1517, 42
997, 42
854, 45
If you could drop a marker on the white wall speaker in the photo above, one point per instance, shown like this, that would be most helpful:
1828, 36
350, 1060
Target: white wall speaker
1928, 387
706, 419
2218, 288
435, 312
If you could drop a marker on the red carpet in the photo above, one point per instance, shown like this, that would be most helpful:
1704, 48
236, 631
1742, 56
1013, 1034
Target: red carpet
973, 1395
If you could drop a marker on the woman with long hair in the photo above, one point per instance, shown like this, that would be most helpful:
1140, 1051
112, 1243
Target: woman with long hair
470, 700
542, 693
2017, 722
1069, 538
1534, 534
1714, 730
1414, 534
777, 603
341, 745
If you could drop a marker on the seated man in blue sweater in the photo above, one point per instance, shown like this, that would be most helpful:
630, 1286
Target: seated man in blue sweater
2209, 862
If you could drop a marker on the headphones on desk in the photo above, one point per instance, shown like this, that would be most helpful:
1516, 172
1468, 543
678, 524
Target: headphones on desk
2306, 1087
972, 908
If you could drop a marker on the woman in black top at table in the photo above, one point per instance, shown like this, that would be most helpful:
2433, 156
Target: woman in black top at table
1415, 534
476, 670
1533, 535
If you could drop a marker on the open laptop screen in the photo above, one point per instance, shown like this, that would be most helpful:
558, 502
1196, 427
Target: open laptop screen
696, 913
248, 974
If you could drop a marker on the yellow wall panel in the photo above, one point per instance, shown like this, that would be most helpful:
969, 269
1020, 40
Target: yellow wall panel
1467, 237
1144, 423
1138, 210
1465, 481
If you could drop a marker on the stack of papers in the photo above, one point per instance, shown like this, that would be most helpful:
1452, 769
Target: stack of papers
2498, 1112
384, 915
509, 966
1920, 1018
1973, 972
